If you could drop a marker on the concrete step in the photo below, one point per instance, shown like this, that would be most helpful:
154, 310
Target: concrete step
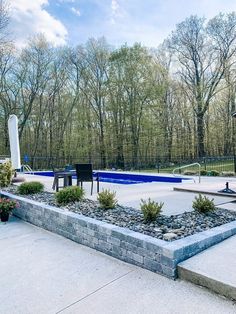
214, 268
203, 190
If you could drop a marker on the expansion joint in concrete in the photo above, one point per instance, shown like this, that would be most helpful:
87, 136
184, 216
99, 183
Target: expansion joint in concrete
93, 292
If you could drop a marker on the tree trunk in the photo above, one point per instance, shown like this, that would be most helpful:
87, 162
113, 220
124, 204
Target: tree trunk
102, 148
135, 153
120, 162
200, 135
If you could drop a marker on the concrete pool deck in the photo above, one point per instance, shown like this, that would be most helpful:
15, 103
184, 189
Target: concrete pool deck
175, 202
45, 273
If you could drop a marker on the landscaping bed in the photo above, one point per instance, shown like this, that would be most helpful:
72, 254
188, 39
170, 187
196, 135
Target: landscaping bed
166, 228
127, 245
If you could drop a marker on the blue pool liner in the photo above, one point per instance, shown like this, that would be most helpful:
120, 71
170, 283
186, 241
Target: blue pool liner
125, 178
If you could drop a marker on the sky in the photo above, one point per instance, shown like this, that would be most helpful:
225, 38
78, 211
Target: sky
73, 22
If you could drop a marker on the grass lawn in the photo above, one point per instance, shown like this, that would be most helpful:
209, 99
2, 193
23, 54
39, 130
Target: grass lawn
224, 165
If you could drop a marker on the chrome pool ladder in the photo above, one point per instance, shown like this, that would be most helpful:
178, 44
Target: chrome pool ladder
190, 165
27, 168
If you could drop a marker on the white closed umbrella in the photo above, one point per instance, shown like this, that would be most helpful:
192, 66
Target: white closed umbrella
14, 141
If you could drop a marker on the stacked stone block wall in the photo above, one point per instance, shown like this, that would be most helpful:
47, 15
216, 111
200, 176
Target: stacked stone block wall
129, 246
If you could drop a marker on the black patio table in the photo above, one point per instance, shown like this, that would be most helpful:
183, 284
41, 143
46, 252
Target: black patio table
67, 178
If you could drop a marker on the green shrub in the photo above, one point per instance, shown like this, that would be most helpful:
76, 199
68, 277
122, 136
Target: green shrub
30, 188
214, 173
150, 209
6, 174
227, 173
203, 172
69, 194
190, 173
107, 199
202, 204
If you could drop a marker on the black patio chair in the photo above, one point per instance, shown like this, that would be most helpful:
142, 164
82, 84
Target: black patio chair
84, 173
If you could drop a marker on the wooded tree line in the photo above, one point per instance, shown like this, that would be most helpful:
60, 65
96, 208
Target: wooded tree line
127, 106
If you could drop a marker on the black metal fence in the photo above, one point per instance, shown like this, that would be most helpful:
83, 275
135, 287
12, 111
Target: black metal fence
159, 164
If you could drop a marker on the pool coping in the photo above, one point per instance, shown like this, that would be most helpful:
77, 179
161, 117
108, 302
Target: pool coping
136, 248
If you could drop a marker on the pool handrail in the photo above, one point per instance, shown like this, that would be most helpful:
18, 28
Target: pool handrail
190, 165
27, 168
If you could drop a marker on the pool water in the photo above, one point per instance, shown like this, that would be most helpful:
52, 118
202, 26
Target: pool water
125, 178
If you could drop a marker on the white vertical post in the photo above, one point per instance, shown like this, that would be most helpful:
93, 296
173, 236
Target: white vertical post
14, 141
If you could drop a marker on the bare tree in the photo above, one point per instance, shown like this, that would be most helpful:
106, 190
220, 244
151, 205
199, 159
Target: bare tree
96, 58
204, 53
4, 21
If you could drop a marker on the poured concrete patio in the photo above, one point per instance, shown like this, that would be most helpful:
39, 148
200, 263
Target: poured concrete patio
45, 273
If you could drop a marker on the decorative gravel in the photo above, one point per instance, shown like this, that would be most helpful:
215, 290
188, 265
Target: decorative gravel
167, 228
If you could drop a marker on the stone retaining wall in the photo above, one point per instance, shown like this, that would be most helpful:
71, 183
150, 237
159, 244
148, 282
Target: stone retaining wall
132, 247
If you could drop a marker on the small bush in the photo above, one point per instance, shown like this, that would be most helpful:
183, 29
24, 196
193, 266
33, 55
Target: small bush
107, 199
214, 173
227, 174
69, 194
203, 172
190, 173
202, 204
150, 209
6, 174
30, 188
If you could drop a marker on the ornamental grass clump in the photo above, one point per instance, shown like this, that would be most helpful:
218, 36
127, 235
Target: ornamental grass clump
203, 205
107, 199
150, 209
30, 188
6, 174
69, 194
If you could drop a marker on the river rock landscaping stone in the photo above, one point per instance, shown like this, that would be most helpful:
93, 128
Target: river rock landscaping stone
167, 228
170, 236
